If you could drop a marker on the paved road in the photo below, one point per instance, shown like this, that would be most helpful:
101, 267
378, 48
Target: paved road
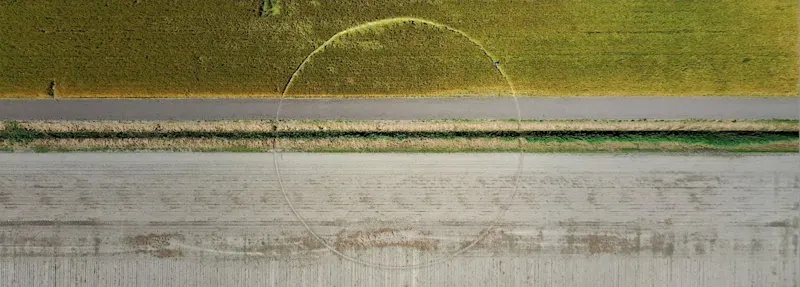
404, 108
161, 219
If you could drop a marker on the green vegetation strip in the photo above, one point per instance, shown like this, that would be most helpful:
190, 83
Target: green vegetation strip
389, 145
15, 137
16, 133
717, 138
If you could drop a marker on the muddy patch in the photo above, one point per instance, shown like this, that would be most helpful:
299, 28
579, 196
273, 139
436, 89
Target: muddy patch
692, 178
285, 246
784, 223
385, 237
500, 241
693, 198
46, 200
756, 245
30, 246
591, 198
96, 241
156, 244
5, 197
699, 248
661, 243
86, 199
601, 244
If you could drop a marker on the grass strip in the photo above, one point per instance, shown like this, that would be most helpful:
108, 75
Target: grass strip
430, 125
424, 136
383, 145
16, 133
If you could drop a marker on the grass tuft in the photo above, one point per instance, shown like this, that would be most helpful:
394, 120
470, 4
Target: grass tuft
269, 7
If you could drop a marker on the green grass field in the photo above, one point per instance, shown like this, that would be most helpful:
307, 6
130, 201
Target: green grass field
223, 48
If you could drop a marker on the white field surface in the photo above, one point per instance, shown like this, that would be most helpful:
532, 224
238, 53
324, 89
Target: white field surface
221, 219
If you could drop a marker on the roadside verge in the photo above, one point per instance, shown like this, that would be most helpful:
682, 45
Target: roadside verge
403, 136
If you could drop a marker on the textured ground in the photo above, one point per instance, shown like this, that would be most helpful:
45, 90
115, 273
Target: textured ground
219, 47
574, 220
545, 108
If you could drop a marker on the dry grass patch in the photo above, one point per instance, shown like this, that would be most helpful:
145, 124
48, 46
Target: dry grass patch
380, 144
616, 146
6, 145
789, 146
148, 126
297, 145
188, 144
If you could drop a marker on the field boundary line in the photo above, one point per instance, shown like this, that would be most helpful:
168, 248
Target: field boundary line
386, 22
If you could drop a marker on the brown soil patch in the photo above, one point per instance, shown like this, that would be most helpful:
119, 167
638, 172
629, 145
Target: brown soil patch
286, 246
601, 244
500, 241
385, 237
155, 244
662, 243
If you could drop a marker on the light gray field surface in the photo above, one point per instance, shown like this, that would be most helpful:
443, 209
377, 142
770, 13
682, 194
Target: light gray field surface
220, 219
536, 108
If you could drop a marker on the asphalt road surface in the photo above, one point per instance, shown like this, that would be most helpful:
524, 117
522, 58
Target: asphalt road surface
221, 219
541, 108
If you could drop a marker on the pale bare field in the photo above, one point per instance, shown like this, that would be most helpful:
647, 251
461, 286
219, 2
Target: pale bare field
189, 219
385, 125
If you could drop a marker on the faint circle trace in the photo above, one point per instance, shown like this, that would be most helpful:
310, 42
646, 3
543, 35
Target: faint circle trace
504, 207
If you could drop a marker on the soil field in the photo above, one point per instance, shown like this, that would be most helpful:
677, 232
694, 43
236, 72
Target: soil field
250, 48
187, 219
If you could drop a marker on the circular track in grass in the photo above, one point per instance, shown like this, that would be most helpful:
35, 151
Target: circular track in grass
384, 23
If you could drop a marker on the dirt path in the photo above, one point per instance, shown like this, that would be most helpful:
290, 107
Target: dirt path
541, 108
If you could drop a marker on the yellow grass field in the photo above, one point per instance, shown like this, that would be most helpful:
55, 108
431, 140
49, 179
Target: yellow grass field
222, 48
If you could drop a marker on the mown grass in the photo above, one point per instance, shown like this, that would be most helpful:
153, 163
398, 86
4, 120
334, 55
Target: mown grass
222, 48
